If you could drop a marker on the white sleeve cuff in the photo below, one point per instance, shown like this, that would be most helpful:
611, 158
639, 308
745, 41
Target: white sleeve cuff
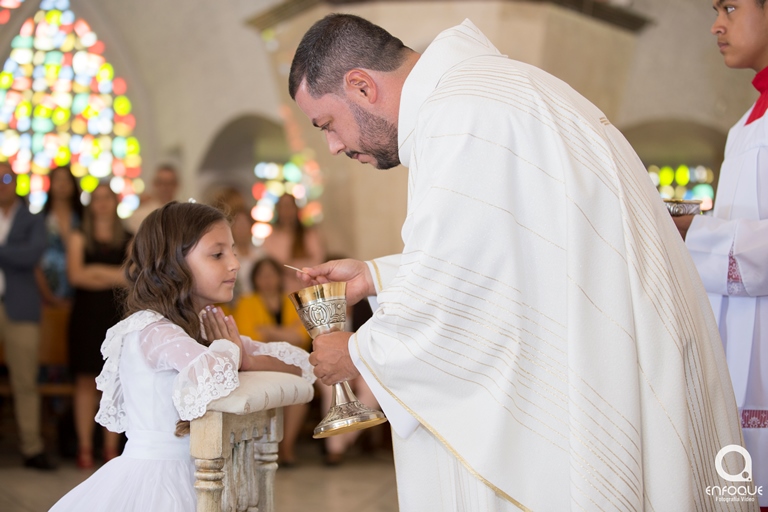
400, 419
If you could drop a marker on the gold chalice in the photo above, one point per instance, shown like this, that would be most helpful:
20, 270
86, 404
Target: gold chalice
323, 309
678, 207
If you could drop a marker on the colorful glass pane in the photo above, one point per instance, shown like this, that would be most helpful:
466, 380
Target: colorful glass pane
62, 104
300, 177
5, 9
684, 182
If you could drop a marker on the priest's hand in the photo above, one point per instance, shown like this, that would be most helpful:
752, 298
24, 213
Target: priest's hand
330, 357
682, 223
355, 273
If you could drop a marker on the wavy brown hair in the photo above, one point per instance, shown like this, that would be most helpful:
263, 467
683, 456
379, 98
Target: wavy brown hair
159, 277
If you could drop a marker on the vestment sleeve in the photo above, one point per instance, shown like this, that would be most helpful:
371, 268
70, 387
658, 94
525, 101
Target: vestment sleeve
750, 250
205, 373
383, 270
710, 240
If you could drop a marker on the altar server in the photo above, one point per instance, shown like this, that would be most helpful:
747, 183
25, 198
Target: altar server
730, 248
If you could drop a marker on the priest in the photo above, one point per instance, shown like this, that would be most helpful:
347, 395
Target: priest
543, 342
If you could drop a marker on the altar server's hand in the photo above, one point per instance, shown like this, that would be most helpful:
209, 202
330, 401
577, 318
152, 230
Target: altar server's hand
330, 357
355, 273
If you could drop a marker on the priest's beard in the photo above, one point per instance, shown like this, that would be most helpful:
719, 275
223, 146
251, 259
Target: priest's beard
378, 138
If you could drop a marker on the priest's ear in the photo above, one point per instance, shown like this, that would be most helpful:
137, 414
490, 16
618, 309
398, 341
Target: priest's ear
360, 87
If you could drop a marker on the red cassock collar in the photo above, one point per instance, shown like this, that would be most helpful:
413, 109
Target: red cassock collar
761, 105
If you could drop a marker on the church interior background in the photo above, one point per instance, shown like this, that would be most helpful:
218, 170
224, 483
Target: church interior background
115, 88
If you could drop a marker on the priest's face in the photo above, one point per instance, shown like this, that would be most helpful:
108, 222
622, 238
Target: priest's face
741, 28
352, 130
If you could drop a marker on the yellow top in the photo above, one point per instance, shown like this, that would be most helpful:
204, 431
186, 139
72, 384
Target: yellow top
251, 313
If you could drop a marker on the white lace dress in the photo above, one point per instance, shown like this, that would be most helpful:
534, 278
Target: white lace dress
154, 375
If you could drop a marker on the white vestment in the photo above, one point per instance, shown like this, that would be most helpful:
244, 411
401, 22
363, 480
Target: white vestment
739, 225
544, 325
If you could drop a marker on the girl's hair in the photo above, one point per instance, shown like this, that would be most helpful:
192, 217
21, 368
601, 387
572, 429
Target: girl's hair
158, 275
74, 201
266, 261
119, 234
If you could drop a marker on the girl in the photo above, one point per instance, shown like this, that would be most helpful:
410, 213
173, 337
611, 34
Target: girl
161, 369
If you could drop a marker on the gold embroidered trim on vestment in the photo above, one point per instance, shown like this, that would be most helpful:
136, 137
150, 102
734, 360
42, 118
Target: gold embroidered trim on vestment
477, 475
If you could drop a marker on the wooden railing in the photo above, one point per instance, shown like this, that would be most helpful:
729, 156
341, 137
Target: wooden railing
235, 443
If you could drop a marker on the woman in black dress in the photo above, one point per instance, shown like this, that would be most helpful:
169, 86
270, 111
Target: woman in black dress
95, 254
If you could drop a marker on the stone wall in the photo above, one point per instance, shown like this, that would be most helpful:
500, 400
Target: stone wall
196, 67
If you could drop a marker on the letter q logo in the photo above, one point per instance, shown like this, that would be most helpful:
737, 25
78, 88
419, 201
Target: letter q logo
745, 475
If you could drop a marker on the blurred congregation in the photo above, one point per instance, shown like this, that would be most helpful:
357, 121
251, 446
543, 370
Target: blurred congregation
111, 109
79, 277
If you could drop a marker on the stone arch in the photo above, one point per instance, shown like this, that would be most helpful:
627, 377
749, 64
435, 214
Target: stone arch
236, 148
676, 142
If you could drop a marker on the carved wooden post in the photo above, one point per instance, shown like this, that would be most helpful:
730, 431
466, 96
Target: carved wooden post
265, 455
206, 446
234, 444
209, 484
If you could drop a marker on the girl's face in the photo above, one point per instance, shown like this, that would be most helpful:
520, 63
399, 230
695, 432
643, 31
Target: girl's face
214, 266
61, 185
103, 202
267, 279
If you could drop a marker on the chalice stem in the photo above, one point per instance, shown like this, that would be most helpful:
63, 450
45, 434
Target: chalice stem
346, 413
323, 309
342, 394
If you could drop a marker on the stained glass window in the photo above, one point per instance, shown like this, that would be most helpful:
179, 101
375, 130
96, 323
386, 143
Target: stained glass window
5, 9
300, 177
61, 103
684, 182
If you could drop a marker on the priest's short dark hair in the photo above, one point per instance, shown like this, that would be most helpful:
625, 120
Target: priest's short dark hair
337, 44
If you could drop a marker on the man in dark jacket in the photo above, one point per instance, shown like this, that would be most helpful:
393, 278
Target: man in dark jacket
22, 241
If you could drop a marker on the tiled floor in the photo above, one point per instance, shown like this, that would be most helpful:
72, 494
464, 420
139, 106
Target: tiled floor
363, 483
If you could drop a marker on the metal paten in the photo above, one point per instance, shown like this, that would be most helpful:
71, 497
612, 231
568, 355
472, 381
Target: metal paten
678, 207
323, 309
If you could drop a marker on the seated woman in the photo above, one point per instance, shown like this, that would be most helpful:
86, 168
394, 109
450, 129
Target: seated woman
268, 315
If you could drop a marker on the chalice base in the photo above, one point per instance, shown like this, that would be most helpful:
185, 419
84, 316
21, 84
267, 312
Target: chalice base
348, 417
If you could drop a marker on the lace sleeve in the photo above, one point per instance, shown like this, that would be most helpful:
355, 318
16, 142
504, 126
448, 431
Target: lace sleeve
205, 373
212, 375
283, 351
735, 282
